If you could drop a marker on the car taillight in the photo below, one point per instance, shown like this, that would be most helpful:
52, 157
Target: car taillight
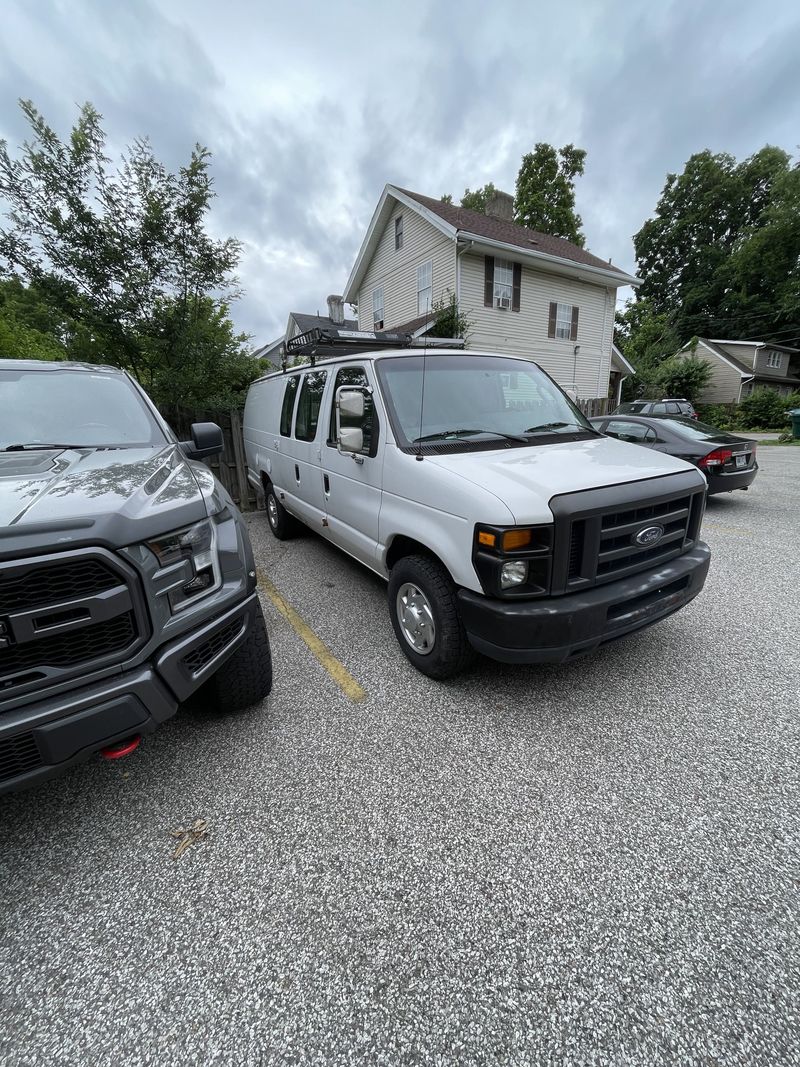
716, 458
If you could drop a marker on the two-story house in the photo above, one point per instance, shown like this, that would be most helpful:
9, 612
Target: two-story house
739, 367
524, 293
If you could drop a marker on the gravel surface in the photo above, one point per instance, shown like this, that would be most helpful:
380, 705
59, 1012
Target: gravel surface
592, 864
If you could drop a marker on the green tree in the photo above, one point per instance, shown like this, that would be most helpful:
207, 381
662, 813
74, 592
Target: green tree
545, 191
702, 254
450, 321
122, 255
477, 199
683, 377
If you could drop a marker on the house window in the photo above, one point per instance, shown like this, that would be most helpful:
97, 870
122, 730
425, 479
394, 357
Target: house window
424, 287
377, 308
398, 233
775, 359
503, 282
563, 323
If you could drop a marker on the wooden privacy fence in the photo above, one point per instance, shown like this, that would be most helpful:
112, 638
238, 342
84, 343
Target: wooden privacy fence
230, 467
599, 405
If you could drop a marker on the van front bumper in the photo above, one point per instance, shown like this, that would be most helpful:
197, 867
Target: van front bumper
561, 628
41, 739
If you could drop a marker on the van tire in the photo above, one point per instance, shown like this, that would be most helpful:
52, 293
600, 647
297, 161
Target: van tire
451, 651
282, 524
246, 678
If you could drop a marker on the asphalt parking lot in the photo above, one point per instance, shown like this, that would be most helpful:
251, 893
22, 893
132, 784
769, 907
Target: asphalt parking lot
590, 864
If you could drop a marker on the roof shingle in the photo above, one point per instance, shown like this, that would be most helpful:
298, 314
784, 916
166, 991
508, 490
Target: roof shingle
510, 233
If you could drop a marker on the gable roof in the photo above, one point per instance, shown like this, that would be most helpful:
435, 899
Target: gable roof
308, 322
714, 348
618, 358
458, 223
511, 233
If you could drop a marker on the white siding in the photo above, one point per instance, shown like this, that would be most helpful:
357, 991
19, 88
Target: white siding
524, 332
397, 271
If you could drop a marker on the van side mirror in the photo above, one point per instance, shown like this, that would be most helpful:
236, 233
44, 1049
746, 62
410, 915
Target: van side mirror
207, 440
351, 405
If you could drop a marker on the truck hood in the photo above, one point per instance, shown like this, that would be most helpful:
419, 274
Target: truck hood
525, 479
131, 491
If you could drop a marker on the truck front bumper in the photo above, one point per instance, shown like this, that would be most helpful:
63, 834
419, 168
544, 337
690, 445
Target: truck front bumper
562, 628
40, 740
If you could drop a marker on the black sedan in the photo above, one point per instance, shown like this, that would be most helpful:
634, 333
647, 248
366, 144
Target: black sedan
728, 462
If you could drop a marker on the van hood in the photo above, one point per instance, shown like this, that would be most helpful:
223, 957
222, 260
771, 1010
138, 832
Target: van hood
110, 495
526, 479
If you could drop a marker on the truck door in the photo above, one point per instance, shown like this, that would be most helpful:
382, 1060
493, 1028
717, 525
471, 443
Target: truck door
352, 485
303, 488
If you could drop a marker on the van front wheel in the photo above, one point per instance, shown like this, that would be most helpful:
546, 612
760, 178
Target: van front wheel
424, 613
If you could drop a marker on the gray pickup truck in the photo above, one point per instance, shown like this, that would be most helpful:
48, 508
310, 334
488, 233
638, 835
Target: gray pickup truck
127, 579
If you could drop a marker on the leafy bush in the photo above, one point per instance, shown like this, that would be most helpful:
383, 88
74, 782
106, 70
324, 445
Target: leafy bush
679, 376
723, 416
765, 409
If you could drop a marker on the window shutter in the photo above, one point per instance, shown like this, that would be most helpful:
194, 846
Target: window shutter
573, 333
551, 325
488, 281
517, 288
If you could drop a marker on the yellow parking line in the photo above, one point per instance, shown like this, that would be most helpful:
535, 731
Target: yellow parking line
335, 669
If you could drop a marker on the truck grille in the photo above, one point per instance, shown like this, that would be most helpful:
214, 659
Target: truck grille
61, 615
18, 755
596, 530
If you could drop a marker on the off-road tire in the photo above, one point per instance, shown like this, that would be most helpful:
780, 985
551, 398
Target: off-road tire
451, 651
283, 525
245, 678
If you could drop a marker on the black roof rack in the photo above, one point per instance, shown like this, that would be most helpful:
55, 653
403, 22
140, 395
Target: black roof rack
321, 342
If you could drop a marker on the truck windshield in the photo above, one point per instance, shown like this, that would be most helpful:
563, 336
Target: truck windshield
74, 408
475, 401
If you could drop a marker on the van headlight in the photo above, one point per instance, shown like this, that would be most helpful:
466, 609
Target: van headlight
513, 561
191, 554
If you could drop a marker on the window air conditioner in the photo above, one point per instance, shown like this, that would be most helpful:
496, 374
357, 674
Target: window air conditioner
503, 302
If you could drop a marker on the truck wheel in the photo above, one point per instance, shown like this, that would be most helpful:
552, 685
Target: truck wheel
245, 678
282, 524
424, 613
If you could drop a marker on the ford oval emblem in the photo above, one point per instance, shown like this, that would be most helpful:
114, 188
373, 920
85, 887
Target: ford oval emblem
649, 536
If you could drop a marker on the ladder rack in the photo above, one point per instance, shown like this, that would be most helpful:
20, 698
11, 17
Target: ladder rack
325, 343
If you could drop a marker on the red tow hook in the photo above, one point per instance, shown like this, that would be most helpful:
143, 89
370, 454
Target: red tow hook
121, 748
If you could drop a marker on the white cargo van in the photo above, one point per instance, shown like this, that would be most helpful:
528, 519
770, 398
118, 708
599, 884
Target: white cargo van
501, 519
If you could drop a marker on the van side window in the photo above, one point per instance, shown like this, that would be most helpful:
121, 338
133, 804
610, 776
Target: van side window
355, 376
288, 405
305, 423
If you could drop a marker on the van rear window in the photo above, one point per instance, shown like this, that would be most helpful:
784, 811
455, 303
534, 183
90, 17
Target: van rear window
288, 405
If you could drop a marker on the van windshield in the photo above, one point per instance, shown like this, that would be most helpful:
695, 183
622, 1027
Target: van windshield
475, 401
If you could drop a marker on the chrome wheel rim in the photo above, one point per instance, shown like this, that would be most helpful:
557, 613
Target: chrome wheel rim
272, 510
415, 616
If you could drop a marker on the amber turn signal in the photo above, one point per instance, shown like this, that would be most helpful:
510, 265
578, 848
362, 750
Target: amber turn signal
486, 538
516, 539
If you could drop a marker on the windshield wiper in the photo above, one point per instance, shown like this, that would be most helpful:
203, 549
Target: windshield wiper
554, 426
443, 434
41, 447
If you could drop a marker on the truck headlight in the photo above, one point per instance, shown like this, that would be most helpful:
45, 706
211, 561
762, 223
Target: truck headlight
191, 554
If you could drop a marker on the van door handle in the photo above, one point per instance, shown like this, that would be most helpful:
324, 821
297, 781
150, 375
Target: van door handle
297, 473
327, 483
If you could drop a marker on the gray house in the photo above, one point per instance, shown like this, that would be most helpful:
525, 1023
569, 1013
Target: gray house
739, 367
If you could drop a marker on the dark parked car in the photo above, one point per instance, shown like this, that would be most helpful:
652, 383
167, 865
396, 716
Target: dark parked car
728, 462
667, 406
127, 580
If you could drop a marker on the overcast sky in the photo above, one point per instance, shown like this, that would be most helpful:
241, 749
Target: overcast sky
310, 107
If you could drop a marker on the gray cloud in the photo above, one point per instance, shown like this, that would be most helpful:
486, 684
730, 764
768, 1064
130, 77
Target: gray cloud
310, 108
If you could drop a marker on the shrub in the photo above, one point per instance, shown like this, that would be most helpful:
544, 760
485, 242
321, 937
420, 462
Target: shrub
723, 416
765, 409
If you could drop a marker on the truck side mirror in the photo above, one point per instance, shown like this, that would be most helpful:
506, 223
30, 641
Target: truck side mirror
350, 402
207, 440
